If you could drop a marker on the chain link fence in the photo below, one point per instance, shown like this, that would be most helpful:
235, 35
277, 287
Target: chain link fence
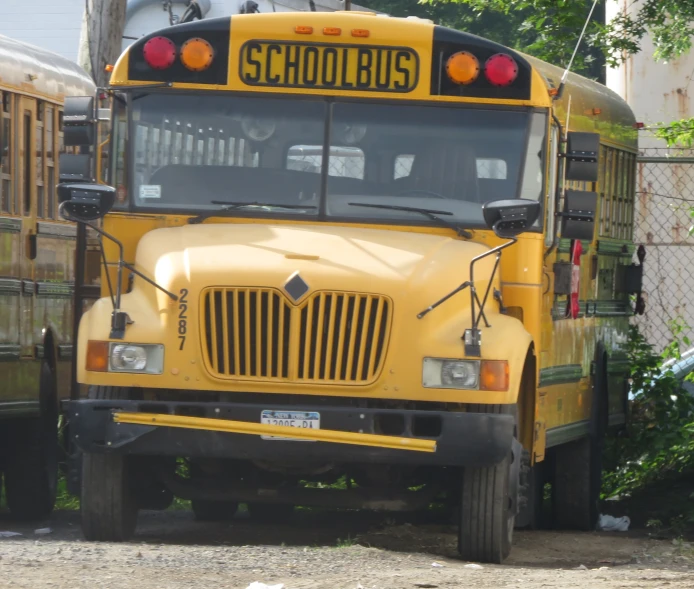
664, 199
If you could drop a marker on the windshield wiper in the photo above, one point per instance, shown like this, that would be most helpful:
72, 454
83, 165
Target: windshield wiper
431, 213
232, 206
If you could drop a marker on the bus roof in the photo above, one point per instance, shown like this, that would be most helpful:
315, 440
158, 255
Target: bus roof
27, 69
590, 106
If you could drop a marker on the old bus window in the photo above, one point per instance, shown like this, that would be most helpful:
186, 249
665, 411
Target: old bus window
492, 169
6, 154
117, 177
305, 158
28, 180
38, 139
403, 166
550, 230
344, 162
533, 174
610, 157
602, 161
50, 137
222, 148
629, 202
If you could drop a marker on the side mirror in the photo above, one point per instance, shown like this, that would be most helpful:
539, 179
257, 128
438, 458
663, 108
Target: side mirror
578, 217
582, 156
85, 202
78, 121
509, 218
75, 167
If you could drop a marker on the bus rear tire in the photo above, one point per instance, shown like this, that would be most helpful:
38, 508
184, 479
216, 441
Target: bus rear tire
108, 504
31, 470
486, 522
576, 488
578, 464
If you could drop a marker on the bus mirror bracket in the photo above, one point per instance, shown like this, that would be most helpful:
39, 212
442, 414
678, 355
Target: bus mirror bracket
508, 219
83, 203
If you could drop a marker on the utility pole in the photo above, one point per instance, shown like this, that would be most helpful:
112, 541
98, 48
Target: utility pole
101, 38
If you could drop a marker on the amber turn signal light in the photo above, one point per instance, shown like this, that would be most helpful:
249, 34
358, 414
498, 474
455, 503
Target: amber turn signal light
463, 68
332, 31
303, 30
360, 32
197, 54
494, 375
97, 356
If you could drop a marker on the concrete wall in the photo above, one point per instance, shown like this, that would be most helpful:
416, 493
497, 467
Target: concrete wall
655, 90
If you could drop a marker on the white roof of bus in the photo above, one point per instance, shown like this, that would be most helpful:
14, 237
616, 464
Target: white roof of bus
30, 70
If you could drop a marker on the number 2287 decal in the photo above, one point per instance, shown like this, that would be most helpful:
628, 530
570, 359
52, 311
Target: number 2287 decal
182, 317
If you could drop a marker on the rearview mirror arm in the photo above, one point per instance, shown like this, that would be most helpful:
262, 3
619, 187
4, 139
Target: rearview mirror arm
119, 319
472, 337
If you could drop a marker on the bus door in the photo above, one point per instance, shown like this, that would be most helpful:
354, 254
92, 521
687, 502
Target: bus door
26, 188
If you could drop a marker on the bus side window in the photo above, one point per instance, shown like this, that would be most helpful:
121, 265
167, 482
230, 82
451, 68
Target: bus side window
403, 166
346, 162
40, 159
305, 158
6, 153
491, 169
552, 186
50, 162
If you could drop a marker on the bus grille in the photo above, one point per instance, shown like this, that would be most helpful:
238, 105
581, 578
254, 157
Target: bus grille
256, 333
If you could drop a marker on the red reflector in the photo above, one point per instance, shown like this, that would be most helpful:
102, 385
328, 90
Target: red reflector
501, 70
639, 125
159, 53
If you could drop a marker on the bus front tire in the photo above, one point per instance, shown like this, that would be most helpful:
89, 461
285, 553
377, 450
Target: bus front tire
108, 503
31, 470
487, 518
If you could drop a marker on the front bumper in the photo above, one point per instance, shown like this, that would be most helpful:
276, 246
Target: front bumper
462, 439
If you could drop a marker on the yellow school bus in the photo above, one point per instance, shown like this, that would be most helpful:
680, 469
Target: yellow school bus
347, 247
37, 253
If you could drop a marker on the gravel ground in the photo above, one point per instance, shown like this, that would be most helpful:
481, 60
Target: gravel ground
331, 551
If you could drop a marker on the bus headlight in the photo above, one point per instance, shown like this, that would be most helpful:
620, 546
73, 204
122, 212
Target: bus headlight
441, 373
142, 358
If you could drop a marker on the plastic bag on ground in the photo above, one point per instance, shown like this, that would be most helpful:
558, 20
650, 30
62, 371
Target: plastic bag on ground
6, 534
608, 523
257, 585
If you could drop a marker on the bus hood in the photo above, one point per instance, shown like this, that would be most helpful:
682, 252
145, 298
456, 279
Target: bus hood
416, 267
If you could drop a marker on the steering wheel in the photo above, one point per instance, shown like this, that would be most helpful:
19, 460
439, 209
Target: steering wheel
421, 191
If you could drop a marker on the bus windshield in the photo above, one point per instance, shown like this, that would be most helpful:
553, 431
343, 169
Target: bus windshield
194, 153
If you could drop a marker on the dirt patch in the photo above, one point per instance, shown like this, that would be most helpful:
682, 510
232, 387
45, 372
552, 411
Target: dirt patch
327, 550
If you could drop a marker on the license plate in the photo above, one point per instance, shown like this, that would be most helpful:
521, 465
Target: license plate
365, 68
298, 419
